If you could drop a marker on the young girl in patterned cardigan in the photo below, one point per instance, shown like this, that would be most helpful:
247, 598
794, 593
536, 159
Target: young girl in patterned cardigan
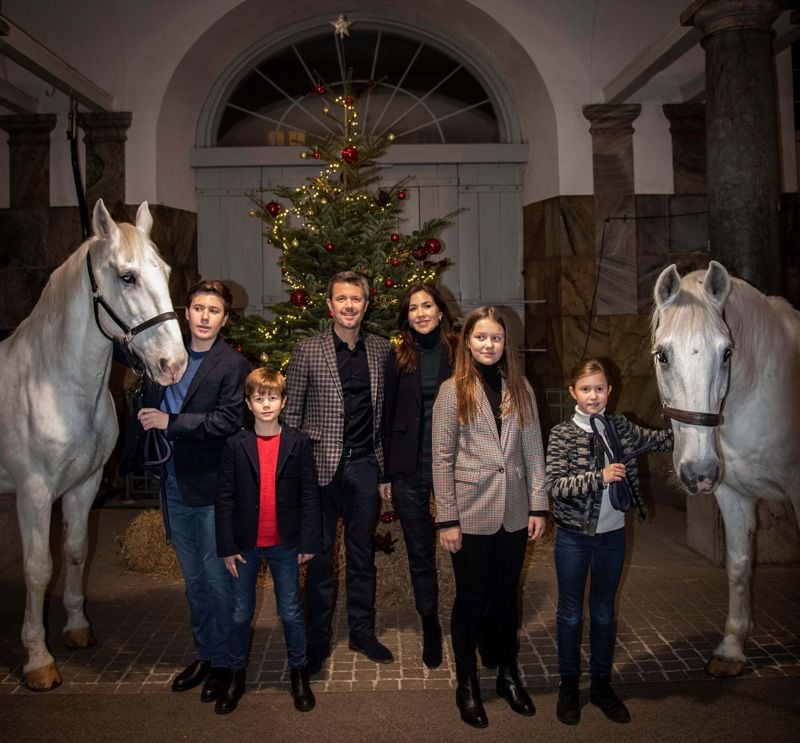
591, 474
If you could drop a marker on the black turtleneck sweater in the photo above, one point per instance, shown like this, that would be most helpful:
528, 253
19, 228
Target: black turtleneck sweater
493, 387
429, 358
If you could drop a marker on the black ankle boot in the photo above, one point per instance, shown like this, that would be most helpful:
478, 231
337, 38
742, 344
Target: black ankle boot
510, 688
468, 699
431, 641
568, 707
226, 703
602, 695
304, 700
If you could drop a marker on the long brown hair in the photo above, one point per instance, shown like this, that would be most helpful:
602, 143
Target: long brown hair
405, 355
465, 376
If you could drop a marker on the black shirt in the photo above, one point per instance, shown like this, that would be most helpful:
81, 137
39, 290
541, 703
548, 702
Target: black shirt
354, 376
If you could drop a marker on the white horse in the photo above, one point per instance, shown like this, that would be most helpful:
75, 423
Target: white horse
727, 362
57, 419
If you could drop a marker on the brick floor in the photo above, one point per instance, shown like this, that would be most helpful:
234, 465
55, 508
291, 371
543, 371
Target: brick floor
672, 610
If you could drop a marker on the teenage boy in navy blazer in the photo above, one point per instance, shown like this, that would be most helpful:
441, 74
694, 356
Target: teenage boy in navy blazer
267, 508
197, 414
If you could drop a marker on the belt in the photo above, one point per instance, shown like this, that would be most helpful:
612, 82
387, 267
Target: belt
356, 452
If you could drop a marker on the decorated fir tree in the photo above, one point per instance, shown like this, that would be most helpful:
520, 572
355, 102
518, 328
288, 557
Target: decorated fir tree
339, 220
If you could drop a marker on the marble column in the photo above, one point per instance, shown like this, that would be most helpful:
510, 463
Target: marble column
687, 125
742, 136
29, 155
615, 240
105, 135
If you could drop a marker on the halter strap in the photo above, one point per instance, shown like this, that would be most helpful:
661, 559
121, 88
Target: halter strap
692, 417
99, 301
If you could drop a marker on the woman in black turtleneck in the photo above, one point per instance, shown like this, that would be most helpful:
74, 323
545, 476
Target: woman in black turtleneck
419, 364
488, 479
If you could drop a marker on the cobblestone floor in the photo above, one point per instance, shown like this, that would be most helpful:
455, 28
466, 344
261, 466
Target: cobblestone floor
672, 610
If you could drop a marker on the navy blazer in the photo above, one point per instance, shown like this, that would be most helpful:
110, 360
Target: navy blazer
212, 410
238, 498
402, 416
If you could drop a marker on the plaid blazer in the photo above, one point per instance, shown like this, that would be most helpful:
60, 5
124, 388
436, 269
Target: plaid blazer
315, 402
482, 480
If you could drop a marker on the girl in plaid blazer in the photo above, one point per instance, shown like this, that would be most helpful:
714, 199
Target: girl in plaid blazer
488, 479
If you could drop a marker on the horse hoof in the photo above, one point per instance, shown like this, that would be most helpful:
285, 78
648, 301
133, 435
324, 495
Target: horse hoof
79, 638
43, 679
724, 668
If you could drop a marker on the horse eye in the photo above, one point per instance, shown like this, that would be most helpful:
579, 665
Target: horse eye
661, 357
128, 278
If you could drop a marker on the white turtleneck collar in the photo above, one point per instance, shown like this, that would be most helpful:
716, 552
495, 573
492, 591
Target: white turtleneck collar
581, 419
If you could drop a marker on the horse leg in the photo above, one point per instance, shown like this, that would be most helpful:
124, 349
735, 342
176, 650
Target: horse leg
75, 507
34, 507
739, 519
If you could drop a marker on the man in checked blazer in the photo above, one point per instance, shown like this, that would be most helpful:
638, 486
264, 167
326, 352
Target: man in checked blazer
335, 396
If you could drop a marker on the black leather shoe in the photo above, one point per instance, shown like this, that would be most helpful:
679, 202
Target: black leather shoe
431, 641
510, 688
602, 695
568, 707
231, 696
369, 646
217, 682
193, 675
468, 700
301, 691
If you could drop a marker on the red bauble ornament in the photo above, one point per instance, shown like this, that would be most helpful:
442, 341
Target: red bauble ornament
316, 154
239, 347
320, 89
350, 154
299, 298
387, 517
420, 252
373, 292
349, 100
389, 282
401, 195
274, 208
330, 247
394, 237
395, 262
433, 246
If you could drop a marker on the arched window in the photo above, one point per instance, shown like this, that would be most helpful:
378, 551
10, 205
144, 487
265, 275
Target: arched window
403, 85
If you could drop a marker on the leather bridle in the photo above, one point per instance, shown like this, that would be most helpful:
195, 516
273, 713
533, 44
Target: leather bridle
692, 417
130, 332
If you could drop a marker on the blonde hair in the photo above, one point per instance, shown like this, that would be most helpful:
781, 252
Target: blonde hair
517, 395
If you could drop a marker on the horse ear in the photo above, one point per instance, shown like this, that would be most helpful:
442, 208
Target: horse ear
717, 283
102, 223
668, 284
144, 220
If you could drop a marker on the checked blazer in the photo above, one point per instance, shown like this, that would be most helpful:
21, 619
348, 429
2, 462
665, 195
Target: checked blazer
482, 480
315, 401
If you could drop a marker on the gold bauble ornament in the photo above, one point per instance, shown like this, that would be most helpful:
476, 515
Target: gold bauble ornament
295, 242
390, 137
264, 358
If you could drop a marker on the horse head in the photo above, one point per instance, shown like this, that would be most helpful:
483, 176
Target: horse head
130, 284
692, 349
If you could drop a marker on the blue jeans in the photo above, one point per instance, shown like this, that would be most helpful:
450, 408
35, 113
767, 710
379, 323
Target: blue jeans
411, 498
286, 581
207, 582
575, 555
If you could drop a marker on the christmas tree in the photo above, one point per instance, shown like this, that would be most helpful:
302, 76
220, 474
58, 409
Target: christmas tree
339, 220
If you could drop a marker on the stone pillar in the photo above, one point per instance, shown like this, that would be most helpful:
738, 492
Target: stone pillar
105, 135
742, 136
687, 125
29, 155
615, 241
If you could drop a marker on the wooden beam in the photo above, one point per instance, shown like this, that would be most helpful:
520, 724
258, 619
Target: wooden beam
659, 55
23, 49
16, 100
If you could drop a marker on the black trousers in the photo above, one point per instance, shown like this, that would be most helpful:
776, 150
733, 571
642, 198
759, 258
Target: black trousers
353, 494
487, 570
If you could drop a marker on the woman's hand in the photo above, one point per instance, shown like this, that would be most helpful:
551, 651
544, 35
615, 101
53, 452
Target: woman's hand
230, 563
450, 538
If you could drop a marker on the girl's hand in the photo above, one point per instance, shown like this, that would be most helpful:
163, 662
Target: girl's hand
536, 527
450, 538
304, 557
613, 473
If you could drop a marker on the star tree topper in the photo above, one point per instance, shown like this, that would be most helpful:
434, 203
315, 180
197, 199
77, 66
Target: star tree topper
341, 26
